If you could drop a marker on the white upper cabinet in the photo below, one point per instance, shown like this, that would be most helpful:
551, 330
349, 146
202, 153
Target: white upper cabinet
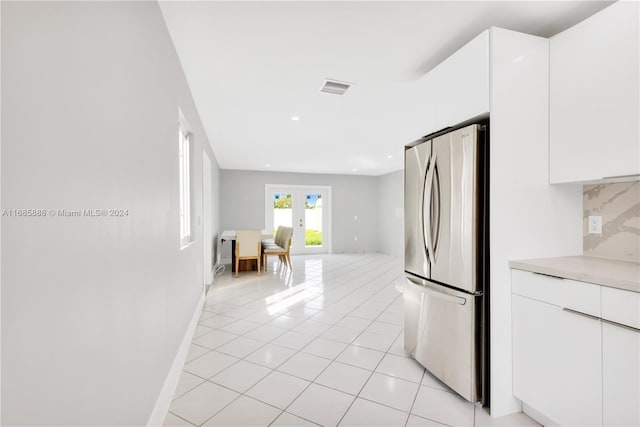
594, 97
458, 88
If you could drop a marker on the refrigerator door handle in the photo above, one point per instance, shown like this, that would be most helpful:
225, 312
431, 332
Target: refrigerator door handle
426, 208
425, 288
438, 208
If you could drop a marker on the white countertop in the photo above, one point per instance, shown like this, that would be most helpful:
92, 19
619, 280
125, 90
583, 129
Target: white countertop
601, 271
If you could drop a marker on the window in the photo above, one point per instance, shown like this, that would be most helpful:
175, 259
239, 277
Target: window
185, 184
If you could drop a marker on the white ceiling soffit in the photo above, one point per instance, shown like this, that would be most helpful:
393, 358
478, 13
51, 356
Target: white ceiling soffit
255, 69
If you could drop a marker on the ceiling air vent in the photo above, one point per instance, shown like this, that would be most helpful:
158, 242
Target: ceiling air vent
335, 87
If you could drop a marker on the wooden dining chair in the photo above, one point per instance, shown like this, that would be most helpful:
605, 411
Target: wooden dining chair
280, 247
248, 247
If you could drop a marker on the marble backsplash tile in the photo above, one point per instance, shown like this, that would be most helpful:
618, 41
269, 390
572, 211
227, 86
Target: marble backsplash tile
619, 206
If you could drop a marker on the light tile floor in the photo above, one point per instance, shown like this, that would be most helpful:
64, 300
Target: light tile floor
319, 345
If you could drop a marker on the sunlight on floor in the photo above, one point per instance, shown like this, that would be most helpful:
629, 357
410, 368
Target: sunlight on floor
320, 344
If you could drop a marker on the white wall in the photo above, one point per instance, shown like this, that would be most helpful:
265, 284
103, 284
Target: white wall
93, 309
528, 217
0, 221
391, 214
242, 202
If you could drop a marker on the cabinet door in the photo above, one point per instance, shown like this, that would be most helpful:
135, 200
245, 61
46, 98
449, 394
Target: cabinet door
557, 362
620, 375
458, 88
594, 106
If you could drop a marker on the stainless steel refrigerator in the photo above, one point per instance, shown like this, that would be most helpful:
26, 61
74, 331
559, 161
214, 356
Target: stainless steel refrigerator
446, 236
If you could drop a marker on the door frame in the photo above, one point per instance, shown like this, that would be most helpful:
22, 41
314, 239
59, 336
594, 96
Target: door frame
268, 208
207, 225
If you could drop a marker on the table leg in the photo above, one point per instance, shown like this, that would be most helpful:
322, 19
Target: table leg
233, 256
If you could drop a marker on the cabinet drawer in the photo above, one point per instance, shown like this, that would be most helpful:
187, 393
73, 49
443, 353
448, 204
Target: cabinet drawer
579, 296
621, 306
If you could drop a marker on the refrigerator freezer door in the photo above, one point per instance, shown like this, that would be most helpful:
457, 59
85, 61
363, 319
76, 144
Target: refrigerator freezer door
442, 332
454, 213
415, 247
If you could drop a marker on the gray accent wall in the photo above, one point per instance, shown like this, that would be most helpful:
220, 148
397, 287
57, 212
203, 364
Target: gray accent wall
619, 206
391, 214
377, 201
94, 309
242, 201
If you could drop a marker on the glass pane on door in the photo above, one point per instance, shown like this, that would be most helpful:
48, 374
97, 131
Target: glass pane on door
282, 211
313, 220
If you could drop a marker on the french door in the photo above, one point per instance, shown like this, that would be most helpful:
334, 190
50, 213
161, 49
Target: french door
305, 208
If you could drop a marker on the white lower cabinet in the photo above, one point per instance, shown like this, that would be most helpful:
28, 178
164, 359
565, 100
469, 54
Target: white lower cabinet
557, 365
576, 350
620, 375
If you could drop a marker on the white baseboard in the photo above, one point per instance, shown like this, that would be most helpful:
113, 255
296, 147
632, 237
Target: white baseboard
171, 382
537, 416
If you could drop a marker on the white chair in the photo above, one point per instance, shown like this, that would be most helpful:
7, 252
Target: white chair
248, 247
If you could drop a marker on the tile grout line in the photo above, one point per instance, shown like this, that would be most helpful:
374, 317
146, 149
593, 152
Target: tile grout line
293, 329
364, 385
415, 397
380, 288
272, 370
253, 301
321, 372
334, 360
183, 419
372, 372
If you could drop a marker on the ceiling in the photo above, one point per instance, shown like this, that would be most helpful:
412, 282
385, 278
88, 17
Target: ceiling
252, 66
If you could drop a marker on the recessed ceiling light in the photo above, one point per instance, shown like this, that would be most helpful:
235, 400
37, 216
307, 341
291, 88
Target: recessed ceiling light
355, 170
389, 156
267, 165
295, 118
